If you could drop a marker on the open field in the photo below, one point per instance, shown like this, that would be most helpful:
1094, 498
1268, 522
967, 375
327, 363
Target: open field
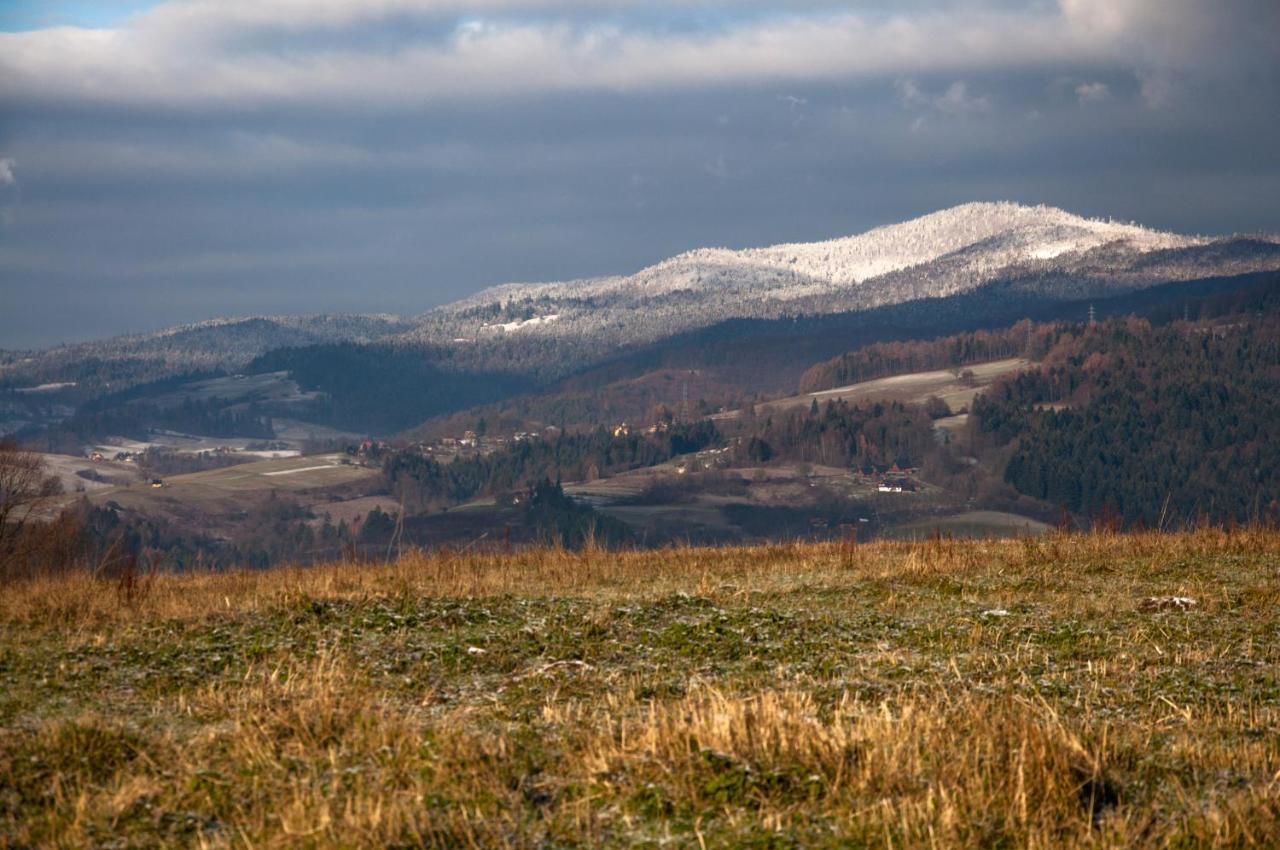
180, 443
291, 438
312, 472
970, 524
81, 473
298, 433
941, 694
213, 500
777, 501
352, 510
912, 388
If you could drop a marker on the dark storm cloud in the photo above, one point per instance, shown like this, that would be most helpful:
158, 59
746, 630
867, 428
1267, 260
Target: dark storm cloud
225, 158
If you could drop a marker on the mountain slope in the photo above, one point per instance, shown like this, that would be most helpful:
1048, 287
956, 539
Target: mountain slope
217, 343
983, 236
552, 329
1041, 250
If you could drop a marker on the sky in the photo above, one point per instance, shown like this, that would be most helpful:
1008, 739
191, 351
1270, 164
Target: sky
167, 162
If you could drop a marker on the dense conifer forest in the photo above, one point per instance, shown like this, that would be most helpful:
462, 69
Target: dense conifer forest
422, 482
383, 388
1150, 425
893, 358
841, 434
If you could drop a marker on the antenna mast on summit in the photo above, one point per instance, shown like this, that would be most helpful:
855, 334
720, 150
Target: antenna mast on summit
684, 401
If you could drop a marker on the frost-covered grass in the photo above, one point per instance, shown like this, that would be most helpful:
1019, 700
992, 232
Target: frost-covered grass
946, 694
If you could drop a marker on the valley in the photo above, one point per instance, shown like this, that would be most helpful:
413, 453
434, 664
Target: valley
858, 417
691, 425
1002, 251
713, 495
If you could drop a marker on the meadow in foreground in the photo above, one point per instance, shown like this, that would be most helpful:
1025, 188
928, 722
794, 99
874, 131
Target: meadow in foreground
936, 694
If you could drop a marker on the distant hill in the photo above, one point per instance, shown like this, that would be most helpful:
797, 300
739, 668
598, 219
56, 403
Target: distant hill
1028, 252
214, 344
548, 330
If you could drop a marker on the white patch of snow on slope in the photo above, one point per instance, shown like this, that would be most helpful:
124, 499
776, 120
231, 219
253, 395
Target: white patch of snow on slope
521, 324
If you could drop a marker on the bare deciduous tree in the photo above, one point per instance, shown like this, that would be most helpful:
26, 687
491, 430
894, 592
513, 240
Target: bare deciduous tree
23, 485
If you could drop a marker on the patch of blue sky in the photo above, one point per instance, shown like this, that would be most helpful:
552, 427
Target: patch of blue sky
19, 15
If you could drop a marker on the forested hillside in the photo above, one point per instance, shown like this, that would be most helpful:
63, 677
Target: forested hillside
383, 388
973, 265
423, 483
841, 434
1148, 424
895, 358
1198, 301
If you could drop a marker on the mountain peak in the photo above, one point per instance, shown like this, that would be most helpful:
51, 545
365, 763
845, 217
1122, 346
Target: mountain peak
1016, 250
1039, 250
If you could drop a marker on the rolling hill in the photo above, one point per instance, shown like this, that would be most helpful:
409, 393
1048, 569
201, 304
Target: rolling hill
1040, 252
548, 330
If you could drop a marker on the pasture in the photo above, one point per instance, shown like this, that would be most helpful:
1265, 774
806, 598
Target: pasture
911, 388
1032, 693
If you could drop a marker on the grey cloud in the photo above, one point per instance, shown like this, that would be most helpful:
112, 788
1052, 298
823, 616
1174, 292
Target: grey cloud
1095, 92
955, 99
392, 155
1176, 45
201, 55
508, 56
1227, 34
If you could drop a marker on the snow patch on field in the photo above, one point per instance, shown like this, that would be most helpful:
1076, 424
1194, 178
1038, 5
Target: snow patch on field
46, 388
299, 469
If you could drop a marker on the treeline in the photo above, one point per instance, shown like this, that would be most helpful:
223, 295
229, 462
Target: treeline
1145, 424
589, 401
1194, 301
383, 389
207, 417
557, 519
841, 434
94, 376
138, 420
159, 461
108, 540
423, 483
893, 358
540, 514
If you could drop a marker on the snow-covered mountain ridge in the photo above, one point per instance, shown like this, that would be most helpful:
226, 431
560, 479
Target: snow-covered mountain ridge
1039, 250
551, 328
210, 344
1004, 232
1001, 233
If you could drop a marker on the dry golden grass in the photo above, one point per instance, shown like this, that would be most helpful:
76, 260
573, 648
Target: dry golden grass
939, 694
